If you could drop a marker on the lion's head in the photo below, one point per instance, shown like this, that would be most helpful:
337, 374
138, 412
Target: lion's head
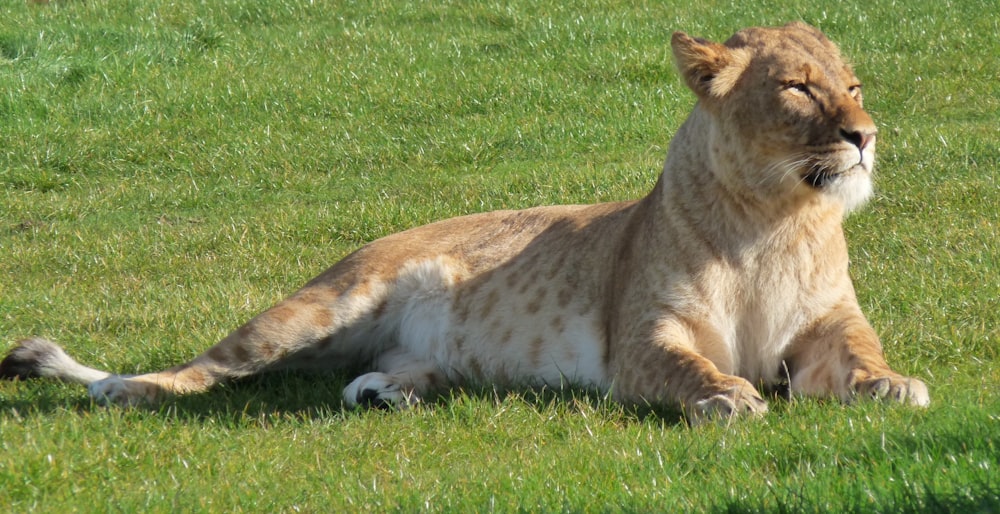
786, 111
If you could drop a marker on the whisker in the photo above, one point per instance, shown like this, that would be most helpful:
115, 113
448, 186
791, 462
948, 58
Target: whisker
779, 171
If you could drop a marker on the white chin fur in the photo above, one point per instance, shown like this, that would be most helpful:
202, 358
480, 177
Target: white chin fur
853, 190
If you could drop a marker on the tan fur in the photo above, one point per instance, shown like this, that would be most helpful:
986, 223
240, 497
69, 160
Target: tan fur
732, 270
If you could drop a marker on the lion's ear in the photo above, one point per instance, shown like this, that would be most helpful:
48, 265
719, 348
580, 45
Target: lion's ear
710, 69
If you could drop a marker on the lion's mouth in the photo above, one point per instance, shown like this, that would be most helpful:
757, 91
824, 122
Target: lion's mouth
822, 178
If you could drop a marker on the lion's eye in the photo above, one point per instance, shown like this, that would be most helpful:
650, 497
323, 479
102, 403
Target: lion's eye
855, 91
799, 87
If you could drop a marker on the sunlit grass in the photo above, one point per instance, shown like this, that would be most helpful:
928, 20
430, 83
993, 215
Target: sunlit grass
169, 169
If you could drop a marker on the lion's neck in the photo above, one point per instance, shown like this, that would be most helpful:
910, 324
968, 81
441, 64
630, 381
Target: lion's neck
691, 192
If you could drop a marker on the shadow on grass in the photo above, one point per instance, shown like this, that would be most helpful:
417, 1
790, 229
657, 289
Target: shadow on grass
317, 396
939, 466
303, 395
982, 498
312, 396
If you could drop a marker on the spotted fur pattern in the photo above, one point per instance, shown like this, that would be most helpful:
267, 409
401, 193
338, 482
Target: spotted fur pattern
729, 275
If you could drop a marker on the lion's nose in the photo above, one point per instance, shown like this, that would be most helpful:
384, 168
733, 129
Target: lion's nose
858, 138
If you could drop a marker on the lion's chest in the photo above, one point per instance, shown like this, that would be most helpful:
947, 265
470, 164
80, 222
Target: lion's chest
759, 311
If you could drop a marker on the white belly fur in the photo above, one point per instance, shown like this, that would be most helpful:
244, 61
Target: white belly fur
553, 346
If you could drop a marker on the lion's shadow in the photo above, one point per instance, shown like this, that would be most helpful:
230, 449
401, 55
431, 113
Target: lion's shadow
312, 396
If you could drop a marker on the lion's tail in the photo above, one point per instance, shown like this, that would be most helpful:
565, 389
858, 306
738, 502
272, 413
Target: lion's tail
38, 357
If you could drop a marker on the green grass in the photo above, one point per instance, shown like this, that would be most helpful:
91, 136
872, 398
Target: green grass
169, 169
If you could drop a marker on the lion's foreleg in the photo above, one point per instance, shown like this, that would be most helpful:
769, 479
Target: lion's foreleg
667, 369
841, 355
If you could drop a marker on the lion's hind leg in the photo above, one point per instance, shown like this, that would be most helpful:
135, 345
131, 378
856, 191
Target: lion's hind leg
318, 327
314, 329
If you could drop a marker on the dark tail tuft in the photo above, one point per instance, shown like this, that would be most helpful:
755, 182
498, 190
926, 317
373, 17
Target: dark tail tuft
26, 359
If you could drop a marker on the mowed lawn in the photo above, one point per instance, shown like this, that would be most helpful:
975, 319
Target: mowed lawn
169, 169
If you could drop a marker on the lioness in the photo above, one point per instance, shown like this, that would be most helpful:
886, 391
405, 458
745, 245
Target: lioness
731, 272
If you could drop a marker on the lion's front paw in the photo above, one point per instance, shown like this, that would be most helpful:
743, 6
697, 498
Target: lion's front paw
739, 399
119, 390
896, 388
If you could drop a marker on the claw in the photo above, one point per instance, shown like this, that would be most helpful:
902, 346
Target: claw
900, 389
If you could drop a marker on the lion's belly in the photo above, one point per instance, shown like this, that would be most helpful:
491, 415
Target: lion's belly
556, 350
499, 331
